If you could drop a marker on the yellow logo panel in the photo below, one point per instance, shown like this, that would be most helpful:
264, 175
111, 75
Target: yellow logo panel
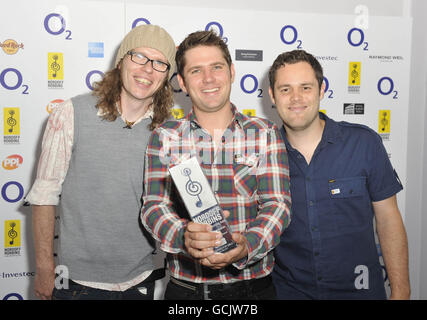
249, 112
384, 121
354, 74
323, 111
177, 112
11, 121
55, 66
12, 233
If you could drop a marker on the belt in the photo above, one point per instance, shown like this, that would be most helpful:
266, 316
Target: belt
224, 290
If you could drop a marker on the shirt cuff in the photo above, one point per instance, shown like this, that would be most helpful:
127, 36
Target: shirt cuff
44, 193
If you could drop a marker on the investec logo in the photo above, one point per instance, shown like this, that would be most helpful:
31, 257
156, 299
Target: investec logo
12, 275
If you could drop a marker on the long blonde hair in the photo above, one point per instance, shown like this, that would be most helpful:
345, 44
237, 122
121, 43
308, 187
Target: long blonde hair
108, 91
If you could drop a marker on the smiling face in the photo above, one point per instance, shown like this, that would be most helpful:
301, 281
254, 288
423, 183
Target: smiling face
207, 78
140, 82
297, 95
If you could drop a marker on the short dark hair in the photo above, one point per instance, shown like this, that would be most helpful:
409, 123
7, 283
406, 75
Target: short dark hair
292, 57
200, 38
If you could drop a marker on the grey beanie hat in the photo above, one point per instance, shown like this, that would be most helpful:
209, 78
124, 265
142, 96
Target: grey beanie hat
150, 36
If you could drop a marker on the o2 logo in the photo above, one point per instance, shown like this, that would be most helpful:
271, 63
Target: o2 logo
213, 25
385, 86
328, 92
289, 35
250, 89
357, 41
11, 196
8, 83
136, 21
89, 77
13, 296
55, 24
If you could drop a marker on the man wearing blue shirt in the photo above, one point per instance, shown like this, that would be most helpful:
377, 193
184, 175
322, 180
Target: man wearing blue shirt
341, 178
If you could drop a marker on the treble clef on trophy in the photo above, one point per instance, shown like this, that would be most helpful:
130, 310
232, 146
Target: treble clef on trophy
354, 73
11, 121
55, 66
12, 234
193, 188
384, 121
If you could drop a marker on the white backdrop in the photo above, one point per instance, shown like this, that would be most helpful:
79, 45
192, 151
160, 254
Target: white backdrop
84, 36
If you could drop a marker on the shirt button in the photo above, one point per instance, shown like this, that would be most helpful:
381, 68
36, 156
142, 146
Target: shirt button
308, 179
316, 254
311, 203
319, 278
313, 229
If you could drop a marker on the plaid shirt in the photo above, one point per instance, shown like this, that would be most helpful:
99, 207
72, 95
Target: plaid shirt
249, 175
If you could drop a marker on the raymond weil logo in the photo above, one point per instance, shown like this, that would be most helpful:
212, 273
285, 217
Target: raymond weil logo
12, 238
10, 46
12, 162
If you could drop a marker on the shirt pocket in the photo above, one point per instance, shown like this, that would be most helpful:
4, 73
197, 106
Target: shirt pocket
350, 202
347, 187
244, 169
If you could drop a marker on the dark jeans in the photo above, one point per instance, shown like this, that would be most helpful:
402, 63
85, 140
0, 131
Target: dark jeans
256, 289
75, 291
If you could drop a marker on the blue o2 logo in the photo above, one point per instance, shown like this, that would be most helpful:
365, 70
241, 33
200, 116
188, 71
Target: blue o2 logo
328, 92
13, 198
216, 26
13, 296
89, 77
289, 35
138, 20
250, 86
55, 24
385, 86
356, 38
7, 81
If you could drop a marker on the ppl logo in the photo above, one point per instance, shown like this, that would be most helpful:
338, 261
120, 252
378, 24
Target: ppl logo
53, 104
12, 162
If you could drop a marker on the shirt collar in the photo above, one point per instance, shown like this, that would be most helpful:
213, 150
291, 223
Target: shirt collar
331, 132
148, 114
238, 118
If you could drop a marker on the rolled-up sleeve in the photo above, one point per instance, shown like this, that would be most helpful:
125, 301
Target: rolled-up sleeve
55, 156
157, 215
274, 201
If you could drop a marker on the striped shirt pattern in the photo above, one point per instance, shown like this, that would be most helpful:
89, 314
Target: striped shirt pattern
249, 174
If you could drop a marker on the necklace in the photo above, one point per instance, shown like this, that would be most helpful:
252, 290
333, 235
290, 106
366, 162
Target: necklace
129, 124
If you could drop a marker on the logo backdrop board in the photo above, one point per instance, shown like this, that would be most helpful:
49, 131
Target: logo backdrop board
51, 51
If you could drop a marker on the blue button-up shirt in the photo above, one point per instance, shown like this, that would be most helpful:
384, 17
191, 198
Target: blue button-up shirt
329, 249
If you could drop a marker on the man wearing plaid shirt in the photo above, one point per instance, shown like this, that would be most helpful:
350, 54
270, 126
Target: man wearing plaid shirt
246, 164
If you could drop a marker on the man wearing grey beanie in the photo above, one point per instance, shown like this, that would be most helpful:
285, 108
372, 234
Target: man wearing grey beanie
91, 168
